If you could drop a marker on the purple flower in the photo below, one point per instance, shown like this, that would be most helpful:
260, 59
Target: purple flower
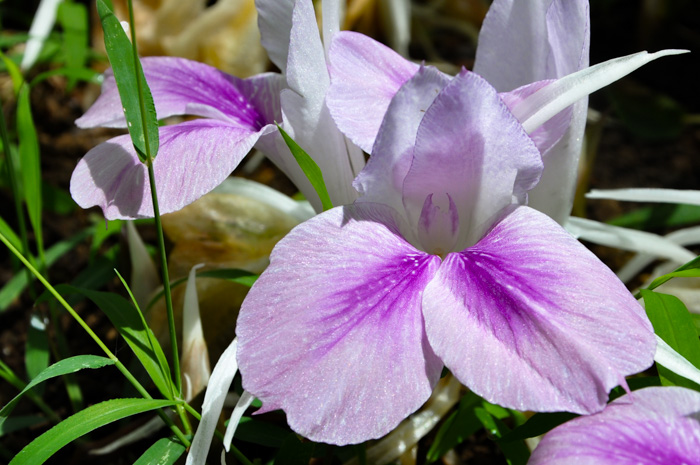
658, 425
196, 156
436, 264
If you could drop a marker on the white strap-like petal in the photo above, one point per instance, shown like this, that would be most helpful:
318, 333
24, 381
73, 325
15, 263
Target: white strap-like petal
243, 403
690, 197
675, 362
195, 356
42, 24
219, 384
627, 239
550, 100
144, 276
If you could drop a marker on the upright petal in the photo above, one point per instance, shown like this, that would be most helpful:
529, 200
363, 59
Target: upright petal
186, 87
528, 318
306, 117
275, 23
470, 147
365, 76
656, 425
524, 42
194, 157
382, 179
341, 349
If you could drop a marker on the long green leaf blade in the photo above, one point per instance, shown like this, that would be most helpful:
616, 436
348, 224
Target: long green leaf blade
29, 159
125, 318
673, 323
131, 84
70, 429
310, 169
164, 452
63, 367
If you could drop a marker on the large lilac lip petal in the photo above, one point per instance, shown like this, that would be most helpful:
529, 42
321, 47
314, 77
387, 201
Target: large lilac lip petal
332, 331
180, 86
528, 318
194, 157
523, 42
652, 425
365, 75
470, 146
382, 179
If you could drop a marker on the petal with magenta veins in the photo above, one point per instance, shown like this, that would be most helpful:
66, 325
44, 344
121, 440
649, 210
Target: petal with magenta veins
655, 425
194, 157
186, 87
365, 76
341, 349
468, 145
382, 180
528, 318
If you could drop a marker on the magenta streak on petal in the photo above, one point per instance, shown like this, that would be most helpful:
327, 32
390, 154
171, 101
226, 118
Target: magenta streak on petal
438, 227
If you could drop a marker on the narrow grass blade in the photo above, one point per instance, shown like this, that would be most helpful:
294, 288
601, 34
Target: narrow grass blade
131, 83
66, 366
36, 356
310, 169
70, 429
73, 18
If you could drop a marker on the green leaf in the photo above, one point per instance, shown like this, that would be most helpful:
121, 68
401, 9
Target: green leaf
74, 74
14, 72
648, 114
516, 452
36, 357
10, 425
70, 429
658, 217
457, 428
57, 200
29, 160
310, 169
294, 452
165, 451
65, 366
135, 95
672, 323
9, 233
538, 424
126, 319
73, 18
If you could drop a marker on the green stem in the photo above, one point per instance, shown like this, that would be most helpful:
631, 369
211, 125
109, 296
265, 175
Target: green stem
166, 279
17, 197
118, 364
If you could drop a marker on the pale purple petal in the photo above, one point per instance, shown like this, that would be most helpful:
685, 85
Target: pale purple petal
186, 87
528, 318
657, 425
523, 42
275, 23
550, 132
332, 331
382, 179
194, 157
365, 75
471, 147
307, 119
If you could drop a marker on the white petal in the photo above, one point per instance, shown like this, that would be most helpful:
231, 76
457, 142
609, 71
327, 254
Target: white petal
195, 356
550, 100
690, 197
42, 24
243, 403
627, 239
219, 383
674, 361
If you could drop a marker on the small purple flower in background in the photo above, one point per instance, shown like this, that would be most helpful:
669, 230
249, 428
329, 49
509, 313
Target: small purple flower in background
652, 426
196, 156
435, 264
